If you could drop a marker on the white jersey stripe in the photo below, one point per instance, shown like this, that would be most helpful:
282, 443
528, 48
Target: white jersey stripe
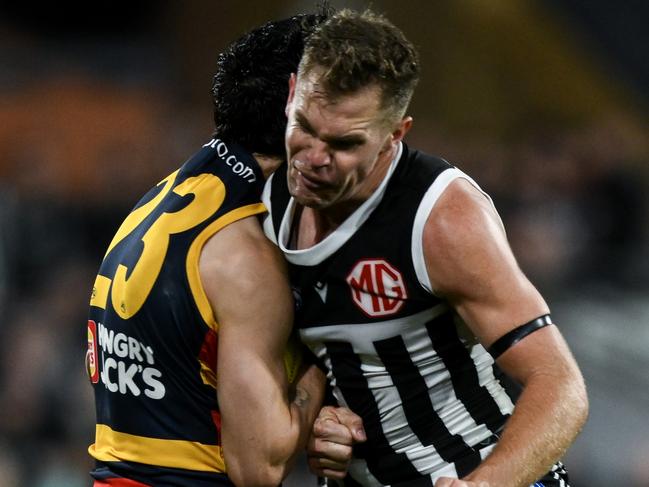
451, 410
393, 420
484, 366
361, 335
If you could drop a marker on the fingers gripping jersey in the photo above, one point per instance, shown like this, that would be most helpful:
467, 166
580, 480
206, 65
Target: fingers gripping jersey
152, 337
396, 354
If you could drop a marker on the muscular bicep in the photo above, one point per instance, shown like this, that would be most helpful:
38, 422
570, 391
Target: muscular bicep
245, 280
470, 263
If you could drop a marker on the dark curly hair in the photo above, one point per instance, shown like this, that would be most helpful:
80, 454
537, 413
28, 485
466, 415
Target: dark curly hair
360, 49
251, 83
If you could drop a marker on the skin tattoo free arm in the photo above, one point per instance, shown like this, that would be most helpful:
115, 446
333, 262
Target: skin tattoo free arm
469, 261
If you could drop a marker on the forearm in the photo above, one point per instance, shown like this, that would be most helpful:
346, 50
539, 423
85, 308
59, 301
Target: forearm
548, 416
264, 431
306, 400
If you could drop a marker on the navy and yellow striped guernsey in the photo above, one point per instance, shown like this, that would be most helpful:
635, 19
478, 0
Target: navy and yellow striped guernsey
152, 336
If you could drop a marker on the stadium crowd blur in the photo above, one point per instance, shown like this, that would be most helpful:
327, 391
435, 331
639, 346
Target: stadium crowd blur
547, 110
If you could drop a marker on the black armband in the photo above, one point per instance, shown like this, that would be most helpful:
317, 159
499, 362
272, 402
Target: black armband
511, 338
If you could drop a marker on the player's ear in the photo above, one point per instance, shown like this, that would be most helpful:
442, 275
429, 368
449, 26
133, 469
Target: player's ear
402, 128
291, 91
399, 131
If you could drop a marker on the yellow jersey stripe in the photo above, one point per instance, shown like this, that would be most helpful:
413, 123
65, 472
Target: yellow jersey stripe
113, 446
100, 290
193, 275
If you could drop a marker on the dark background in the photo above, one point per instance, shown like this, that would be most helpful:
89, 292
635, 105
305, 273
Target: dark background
544, 102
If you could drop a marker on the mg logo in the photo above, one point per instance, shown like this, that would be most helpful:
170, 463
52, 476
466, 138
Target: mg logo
377, 287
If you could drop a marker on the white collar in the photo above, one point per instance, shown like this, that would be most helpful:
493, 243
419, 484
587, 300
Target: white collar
331, 243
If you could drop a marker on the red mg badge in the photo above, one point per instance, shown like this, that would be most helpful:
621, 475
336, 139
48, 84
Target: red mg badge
377, 287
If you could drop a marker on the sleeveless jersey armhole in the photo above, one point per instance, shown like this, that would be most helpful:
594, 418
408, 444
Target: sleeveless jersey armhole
426, 205
193, 256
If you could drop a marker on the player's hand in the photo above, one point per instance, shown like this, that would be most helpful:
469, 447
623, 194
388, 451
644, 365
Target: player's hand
334, 432
449, 482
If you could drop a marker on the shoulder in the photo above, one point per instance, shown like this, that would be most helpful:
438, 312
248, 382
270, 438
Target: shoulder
418, 169
463, 235
461, 213
470, 263
244, 277
239, 255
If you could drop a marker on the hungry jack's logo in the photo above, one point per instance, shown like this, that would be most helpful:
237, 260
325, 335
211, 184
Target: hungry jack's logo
91, 354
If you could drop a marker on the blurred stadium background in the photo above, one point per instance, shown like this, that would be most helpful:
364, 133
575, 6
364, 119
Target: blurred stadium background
544, 102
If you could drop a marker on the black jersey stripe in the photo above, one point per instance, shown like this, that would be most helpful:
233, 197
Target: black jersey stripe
464, 466
415, 400
425, 481
476, 399
346, 367
279, 196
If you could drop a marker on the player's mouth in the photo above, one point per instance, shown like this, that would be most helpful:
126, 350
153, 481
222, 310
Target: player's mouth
308, 182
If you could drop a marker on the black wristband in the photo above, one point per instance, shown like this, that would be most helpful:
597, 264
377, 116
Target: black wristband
517, 334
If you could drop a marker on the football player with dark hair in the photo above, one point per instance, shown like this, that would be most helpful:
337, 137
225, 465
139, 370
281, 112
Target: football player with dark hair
191, 310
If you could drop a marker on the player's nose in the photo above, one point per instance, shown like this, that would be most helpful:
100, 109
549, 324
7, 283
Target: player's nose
317, 155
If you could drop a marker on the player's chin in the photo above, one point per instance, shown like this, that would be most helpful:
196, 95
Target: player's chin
305, 197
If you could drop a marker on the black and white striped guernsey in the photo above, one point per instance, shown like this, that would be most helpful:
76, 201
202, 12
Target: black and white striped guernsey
395, 353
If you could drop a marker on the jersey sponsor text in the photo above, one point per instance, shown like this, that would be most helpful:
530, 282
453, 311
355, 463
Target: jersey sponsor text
126, 365
238, 167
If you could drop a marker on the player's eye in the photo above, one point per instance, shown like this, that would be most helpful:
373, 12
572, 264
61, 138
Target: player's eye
344, 145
